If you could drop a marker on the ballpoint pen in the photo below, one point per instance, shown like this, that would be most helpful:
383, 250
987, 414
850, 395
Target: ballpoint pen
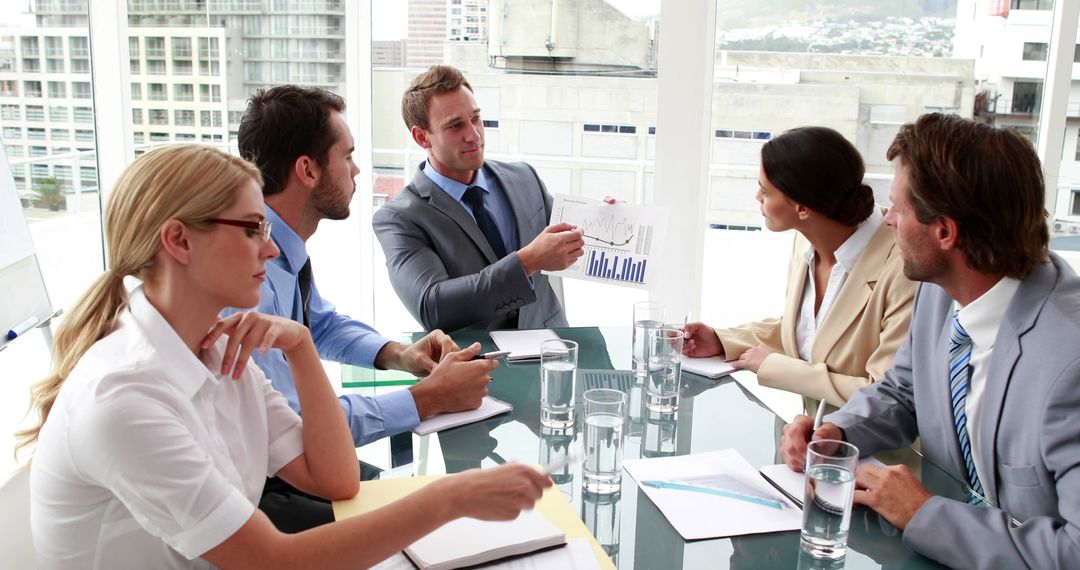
820, 414
492, 355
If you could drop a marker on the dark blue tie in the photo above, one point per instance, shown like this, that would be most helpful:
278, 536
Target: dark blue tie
304, 280
474, 197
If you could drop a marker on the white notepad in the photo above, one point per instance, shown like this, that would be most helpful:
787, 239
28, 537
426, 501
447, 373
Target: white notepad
709, 367
488, 407
522, 344
468, 542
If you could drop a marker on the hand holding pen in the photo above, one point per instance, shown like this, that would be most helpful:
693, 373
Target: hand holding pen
800, 431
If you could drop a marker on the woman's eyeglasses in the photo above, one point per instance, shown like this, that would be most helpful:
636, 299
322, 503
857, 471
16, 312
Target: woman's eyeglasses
262, 226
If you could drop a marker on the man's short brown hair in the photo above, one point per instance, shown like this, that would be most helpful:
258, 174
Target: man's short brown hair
436, 80
987, 179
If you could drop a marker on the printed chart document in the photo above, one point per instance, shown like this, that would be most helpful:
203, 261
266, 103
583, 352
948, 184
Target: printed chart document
713, 494
488, 407
468, 542
709, 367
621, 240
522, 344
792, 484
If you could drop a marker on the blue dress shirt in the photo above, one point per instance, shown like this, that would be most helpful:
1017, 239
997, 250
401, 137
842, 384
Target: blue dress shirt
495, 201
337, 337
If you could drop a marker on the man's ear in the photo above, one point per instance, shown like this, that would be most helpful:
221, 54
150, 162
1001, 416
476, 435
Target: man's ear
176, 242
307, 171
419, 135
946, 232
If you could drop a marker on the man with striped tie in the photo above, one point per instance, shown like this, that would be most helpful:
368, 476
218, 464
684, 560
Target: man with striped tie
989, 377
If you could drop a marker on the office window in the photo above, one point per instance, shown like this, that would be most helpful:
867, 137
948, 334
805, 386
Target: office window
155, 47
253, 48
88, 176
253, 71
81, 90
9, 88
35, 113
491, 124
155, 67
184, 118
63, 173
209, 68
11, 133
13, 151
157, 92
136, 116
35, 134
80, 66
183, 92
59, 113
133, 67
1034, 51
159, 137
208, 48
60, 134
32, 88
79, 47
1027, 97
181, 47
54, 46
136, 91
10, 112
133, 47
234, 117
204, 118
159, 117
57, 89
53, 65
30, 47
84, 115
182, 67
279, 49
31, 65
84, 135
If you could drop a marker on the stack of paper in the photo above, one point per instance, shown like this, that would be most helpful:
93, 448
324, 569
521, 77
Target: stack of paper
709, 367
713, 494
488, 407
468, 542
522, 344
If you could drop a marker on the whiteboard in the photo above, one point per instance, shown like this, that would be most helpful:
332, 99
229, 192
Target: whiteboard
22, 288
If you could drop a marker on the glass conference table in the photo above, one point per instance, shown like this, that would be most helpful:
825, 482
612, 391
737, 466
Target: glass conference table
713, 414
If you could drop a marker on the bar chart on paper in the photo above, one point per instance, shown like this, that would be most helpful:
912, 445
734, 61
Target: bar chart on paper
620, 240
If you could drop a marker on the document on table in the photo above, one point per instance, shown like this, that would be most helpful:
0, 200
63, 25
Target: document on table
729, 497
488, 407
793, 484
709, 367
522, 344
622, 241
578, 555
784, 404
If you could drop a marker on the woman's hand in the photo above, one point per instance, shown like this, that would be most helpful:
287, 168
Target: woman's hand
751, 359
496, 494
250, 331
701, 341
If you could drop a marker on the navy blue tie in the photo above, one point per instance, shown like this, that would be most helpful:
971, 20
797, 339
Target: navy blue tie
474, 197
304, 280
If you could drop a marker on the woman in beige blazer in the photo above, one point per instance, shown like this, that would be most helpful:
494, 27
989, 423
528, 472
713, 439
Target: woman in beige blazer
848, 303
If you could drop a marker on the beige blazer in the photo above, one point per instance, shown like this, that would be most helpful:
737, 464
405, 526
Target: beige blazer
857, 340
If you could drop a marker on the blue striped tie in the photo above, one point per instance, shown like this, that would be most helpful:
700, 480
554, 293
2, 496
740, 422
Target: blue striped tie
959, 374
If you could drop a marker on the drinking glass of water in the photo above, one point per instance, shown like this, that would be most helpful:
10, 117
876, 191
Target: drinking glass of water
665, 367
558, 371
830, 487
605, 418
648, 316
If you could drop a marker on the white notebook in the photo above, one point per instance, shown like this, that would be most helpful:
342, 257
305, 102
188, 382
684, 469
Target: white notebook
522, 344
488, 407
468, 542
709, 367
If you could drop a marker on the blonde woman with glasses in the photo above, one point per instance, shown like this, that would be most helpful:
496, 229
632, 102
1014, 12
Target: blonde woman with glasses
157, 435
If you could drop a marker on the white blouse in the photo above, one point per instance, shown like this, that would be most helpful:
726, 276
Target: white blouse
150, 457
847, 255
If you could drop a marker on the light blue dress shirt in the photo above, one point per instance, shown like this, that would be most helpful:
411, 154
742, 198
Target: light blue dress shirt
495, 201
337, 337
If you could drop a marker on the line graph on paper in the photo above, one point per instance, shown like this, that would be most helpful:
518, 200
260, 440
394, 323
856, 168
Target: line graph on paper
619, 239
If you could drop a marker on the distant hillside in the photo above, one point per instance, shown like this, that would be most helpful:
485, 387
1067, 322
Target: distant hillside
733, 14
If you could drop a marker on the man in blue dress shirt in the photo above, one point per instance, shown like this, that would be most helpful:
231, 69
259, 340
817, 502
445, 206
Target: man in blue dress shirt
299, 140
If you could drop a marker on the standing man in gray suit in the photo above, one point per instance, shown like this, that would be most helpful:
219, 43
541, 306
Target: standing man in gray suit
466, 240
989, 377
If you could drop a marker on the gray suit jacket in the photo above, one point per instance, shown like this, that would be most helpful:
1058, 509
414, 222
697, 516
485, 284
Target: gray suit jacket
443, 268
1029, 428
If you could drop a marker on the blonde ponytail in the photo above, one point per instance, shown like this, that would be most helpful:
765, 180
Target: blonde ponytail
186, 182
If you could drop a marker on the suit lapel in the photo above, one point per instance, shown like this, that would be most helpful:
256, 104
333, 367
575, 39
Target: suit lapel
1020, 317
442, 202
796, 286
850, 303
516, 199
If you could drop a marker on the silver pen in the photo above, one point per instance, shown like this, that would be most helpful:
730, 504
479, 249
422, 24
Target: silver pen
820, 414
